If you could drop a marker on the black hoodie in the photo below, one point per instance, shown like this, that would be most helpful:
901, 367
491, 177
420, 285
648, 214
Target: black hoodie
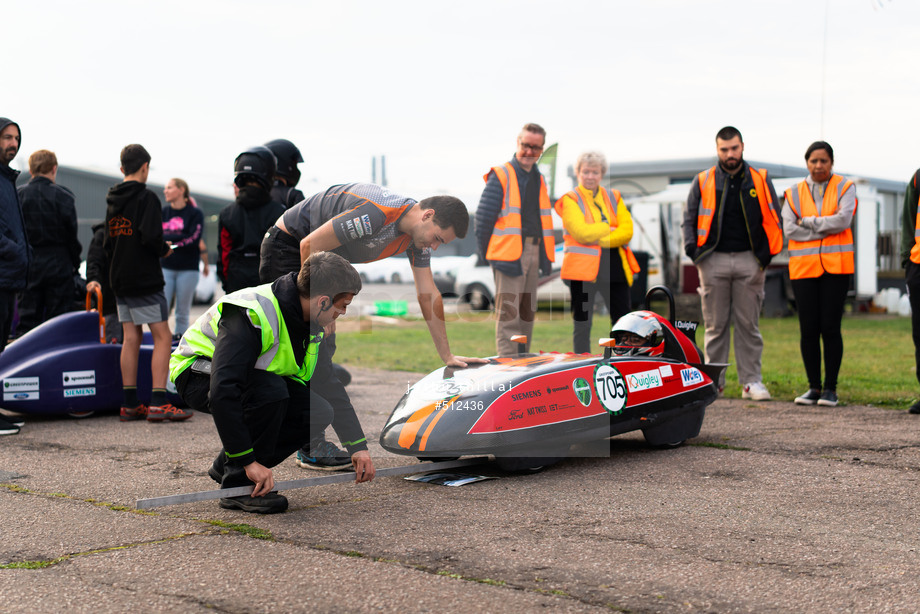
241, 227
134, 243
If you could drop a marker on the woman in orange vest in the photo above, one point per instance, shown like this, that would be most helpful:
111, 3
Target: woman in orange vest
816, 220
597, 258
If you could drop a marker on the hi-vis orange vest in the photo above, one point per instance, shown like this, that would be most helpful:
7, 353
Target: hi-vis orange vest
506, 243
582, 262
771, 223
832, 254
915, 250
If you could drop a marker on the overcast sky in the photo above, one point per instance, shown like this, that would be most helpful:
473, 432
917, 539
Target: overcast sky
442, 88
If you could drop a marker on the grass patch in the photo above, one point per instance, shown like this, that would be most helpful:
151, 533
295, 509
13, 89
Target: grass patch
30, 564
67, 557
720, 446
878, 362
245, 529
457, 576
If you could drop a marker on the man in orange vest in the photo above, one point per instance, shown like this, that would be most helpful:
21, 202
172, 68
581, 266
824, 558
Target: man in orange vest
910, 260
514, 228
731, 232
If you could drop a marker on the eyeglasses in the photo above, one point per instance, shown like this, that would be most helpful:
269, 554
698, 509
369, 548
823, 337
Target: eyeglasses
530, 147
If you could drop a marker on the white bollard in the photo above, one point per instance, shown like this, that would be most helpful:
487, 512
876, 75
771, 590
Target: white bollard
904, 306
878, 299
893, 300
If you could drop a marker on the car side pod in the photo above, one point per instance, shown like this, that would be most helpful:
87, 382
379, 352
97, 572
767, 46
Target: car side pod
63, 367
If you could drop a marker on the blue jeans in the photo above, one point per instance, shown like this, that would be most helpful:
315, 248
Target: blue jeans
182, 285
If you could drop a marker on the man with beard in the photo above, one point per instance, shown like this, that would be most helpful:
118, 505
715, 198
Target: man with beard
15, 253
732, 230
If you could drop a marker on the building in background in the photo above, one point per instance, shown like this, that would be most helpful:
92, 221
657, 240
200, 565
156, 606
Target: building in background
90, 189
657, 190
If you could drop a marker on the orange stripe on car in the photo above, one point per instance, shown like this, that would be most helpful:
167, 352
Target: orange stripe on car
424, 442
412, 426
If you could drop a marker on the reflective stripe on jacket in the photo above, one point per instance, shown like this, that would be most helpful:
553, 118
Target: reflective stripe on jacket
915, 250
582, 262
770, 221
832, 254
261, 306
506, 242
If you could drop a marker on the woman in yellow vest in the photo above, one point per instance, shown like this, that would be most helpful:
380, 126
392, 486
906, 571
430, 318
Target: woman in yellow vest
597, 257
816, 219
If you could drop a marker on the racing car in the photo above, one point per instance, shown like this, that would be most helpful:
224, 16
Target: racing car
528, 410
64, 366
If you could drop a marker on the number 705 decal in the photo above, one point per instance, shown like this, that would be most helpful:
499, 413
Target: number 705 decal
611, 388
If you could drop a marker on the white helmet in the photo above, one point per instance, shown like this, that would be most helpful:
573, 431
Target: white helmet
638, 334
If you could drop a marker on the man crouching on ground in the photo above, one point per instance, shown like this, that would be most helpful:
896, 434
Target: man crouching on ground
255, 360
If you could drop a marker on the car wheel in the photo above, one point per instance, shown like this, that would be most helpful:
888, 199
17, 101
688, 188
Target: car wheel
676, 431
514, 464
478, 297
531, 461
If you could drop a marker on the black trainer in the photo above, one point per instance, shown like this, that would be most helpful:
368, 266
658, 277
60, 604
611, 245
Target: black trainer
325, 456
915, 408
17, 420
828, 398
272, 503
7, 427
809, 398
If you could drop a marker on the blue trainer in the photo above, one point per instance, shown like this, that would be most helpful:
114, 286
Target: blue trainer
325, 456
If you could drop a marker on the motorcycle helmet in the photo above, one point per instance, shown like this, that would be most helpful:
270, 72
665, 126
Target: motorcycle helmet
638, 334
288, 157
256, 162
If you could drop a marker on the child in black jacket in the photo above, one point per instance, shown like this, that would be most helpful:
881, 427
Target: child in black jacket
134, 245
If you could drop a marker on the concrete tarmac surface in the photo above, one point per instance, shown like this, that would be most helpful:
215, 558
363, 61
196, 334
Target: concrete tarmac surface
773, 508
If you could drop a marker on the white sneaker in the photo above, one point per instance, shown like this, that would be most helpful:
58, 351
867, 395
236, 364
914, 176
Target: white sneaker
755, 391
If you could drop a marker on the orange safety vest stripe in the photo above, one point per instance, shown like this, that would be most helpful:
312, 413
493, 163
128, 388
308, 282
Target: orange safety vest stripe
505, 243
832, 254
771, 223
915, 250
582, 262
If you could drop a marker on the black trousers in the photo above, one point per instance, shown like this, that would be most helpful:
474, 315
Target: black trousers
616, 297
279, 255
50, 291
913, 292
819, 301
7, 307
280, 414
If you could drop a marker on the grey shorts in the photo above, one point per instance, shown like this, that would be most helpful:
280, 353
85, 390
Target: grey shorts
148, 309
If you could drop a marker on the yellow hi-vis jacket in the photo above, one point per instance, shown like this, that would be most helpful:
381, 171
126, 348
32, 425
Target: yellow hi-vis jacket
582, 261
276, 354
